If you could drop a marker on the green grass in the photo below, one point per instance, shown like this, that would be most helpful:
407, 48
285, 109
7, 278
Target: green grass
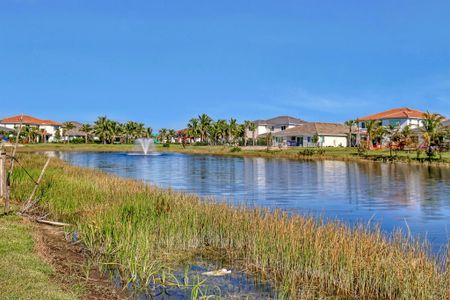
143, 231
23, 275
334, 153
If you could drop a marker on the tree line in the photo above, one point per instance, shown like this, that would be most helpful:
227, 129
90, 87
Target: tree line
205, 130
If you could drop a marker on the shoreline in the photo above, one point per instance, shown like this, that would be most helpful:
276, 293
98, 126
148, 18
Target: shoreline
338, 154
253, 236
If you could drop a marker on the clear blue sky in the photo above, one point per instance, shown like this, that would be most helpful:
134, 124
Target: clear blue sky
162, 62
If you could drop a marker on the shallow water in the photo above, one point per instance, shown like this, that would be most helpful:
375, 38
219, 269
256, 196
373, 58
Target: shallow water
393, 195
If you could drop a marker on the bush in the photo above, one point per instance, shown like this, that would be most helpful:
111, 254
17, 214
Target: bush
166, 145
311, 152
235, 149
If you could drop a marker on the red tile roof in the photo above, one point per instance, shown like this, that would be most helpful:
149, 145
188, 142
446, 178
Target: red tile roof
396, 113
27, 120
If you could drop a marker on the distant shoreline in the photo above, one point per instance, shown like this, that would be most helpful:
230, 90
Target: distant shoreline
330, 153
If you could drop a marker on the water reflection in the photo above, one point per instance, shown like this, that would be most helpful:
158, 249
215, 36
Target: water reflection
392, 194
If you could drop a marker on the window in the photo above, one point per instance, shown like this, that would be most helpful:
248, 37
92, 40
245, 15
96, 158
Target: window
363, 124
273, 128
394, 122
283, 127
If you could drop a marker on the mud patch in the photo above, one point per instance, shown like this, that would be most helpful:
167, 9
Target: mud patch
69, 262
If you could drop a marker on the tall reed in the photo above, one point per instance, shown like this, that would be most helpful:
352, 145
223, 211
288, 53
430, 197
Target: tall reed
141, 230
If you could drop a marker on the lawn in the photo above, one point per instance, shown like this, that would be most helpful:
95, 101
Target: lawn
23, 274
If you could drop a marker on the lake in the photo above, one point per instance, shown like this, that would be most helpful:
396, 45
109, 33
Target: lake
392, 195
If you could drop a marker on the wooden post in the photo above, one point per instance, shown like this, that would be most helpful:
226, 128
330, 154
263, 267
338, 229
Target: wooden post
3, 175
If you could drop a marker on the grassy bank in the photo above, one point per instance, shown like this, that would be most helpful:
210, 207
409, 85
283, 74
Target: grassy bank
23, 275
332, 153
142, 230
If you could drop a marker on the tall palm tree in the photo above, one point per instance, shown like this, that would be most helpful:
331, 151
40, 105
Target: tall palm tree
370, 126
66, 126
43, 134
129, 130
163, 135
102, 129
141, 131
247, 125
252, 128
204, 123
193, 129
233, 129
172, 134
116, 131
87, 129
432, 126
350, 124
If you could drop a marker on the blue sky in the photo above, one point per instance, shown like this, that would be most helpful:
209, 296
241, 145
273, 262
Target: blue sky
162, 62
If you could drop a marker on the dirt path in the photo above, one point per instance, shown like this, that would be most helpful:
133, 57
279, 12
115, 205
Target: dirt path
67, 259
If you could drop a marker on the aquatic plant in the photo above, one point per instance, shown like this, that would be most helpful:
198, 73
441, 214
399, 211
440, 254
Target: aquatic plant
142, 231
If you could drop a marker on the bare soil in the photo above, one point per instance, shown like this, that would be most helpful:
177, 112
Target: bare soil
68, 259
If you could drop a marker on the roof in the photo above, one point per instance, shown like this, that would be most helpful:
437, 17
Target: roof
27, 120
76, 130
280, 120
312, 128
446, 123
395, 113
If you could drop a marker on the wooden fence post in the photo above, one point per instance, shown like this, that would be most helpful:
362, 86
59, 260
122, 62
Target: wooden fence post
3, 175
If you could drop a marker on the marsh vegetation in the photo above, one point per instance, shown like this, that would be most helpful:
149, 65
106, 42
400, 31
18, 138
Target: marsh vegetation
143, 232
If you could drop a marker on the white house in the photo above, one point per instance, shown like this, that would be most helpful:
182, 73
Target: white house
47, 128
273, 125
327, 134
399, 117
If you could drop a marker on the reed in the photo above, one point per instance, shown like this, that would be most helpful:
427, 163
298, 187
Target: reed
142, 231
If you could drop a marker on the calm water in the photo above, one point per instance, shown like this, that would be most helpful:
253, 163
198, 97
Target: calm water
392, 195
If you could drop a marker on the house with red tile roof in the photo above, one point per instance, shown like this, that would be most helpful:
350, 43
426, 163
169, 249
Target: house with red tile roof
399, 117
48, 128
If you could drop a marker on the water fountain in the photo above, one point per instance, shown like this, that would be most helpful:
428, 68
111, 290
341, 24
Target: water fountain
147, 146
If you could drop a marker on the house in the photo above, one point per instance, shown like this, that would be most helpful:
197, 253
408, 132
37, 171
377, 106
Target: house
47, 128
75, 132
327, 135
273, 125
399, 117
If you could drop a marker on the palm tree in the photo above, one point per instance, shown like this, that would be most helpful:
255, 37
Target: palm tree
163, 135
102, 129
87, 129
172, 134
43, 134
204, 123
432, 126
116, 130
193, 129
247, 125
350, 124
252, 128
66, 126
371, 126
233, 130
222, 130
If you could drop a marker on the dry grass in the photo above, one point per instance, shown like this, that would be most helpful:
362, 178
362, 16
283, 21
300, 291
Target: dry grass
142, 229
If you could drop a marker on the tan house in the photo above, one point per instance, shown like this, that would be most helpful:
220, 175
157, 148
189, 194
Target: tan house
327, 134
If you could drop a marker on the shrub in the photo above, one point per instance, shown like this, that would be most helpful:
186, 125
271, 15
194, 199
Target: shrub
235, 149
